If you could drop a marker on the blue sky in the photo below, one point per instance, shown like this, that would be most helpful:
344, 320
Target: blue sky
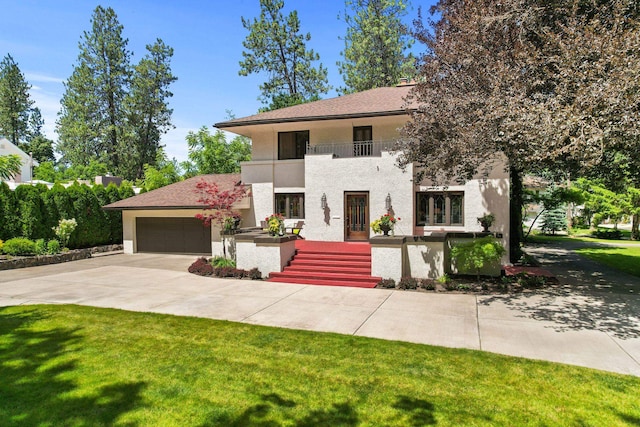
43, 36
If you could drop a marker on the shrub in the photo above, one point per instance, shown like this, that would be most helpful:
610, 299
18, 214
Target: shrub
612, 234
224, 271
444, 279
474, 255
254, 274
1, 243
463, 287
40, 247
427, 284
530, 281
201, 267
220, 261
386, 283
64, 229
18, 246
408, 283
239, 273
53, 247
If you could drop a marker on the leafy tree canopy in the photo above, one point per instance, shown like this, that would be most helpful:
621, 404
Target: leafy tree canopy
15, 102
214, 154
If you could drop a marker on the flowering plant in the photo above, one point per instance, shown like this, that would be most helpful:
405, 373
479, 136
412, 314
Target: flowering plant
385, 222
275, 224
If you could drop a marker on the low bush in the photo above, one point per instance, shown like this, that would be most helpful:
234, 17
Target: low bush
1, 244
427, 284
444, 279
201, 267
254, 274
53, 247
609, 234
408, 283
220, 261
387, 283
239, 273
40, 247
530, 281
224, 271
18, 246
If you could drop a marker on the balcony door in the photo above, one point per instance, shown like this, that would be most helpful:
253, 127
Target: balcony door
356, 216
362, 141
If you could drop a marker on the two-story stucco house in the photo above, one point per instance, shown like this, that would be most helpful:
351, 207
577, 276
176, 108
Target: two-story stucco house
329, 165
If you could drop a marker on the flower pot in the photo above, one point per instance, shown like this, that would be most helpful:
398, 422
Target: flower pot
385, 229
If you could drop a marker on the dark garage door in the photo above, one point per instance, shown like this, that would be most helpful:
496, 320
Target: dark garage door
174, 235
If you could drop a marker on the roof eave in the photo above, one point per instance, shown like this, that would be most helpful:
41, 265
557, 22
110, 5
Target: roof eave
232, 124
150, 208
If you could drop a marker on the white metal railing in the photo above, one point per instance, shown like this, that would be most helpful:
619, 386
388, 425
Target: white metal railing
352, 149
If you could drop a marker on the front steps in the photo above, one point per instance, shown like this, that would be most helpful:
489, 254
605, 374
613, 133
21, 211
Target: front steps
329, 264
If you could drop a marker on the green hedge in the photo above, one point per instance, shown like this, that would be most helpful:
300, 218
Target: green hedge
32, 212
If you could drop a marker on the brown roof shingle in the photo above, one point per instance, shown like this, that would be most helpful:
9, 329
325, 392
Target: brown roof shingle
181, 195
374, 102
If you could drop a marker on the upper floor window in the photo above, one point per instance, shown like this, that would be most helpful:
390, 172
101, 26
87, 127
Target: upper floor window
362, 140
440, 208
292, 145
290, 205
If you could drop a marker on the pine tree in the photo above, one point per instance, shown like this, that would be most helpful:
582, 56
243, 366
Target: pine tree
375, 45
275, 45
554, 220
92, 119
15, 103
149, 114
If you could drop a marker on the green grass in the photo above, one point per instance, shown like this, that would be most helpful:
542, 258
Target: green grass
625, 259
540, 238
82, 366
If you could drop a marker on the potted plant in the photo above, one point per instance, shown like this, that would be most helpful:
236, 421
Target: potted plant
486, 221
275, 224
384, 224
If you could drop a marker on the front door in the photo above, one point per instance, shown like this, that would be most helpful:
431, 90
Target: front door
356, 216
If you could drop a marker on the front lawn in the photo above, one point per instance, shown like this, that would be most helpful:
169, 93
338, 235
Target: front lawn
71, 365
625, 259
542, 238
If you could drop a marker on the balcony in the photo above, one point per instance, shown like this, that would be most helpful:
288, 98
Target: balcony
352, 149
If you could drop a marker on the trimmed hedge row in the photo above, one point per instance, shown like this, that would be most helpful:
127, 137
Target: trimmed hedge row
33, 211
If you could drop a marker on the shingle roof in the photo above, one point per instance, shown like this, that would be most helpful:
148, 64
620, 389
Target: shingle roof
181, 195
382, 101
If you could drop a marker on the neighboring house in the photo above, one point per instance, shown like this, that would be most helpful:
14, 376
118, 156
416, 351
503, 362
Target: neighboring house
25, 175
329, 164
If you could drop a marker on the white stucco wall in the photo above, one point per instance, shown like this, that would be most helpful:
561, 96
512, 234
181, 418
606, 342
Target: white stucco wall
266, 257
378, 176
7, 148
426, 260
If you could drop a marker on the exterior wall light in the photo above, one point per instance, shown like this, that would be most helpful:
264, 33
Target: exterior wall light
387, 202
323, 201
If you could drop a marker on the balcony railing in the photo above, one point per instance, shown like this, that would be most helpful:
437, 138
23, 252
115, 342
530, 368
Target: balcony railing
352, 149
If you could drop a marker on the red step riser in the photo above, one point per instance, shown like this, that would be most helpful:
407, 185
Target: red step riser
316, 263
322, 276
316, 269
336, 253
325, 283
333, 257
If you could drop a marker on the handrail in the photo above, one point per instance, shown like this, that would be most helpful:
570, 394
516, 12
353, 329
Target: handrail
352, 149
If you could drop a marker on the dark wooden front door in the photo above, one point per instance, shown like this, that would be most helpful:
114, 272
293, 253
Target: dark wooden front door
356, 216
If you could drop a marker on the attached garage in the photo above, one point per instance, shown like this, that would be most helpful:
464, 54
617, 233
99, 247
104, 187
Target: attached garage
173, 235
163, 220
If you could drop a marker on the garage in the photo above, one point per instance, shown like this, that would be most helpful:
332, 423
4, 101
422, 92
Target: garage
173, 235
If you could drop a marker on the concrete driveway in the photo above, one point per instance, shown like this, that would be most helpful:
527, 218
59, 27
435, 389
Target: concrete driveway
600, 330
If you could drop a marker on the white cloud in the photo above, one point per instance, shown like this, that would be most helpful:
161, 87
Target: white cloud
42, 78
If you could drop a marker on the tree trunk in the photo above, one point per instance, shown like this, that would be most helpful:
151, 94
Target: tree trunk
635, 233
515, 214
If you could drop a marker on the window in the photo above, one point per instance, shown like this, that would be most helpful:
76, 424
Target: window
292, 145
439, 208
290, 205
362, 140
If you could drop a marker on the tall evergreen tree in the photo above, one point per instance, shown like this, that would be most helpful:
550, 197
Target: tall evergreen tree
15, 103
92, 120
375, 45
37, 144
275, 45
149, 113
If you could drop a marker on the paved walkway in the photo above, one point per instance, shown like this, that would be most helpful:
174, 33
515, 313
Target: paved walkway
595, 326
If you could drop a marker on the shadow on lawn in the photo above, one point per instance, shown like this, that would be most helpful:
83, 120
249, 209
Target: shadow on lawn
568, 310
35, 368
274, 408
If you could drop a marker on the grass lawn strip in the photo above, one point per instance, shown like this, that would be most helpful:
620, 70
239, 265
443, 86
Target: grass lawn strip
625, 259
72, 365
